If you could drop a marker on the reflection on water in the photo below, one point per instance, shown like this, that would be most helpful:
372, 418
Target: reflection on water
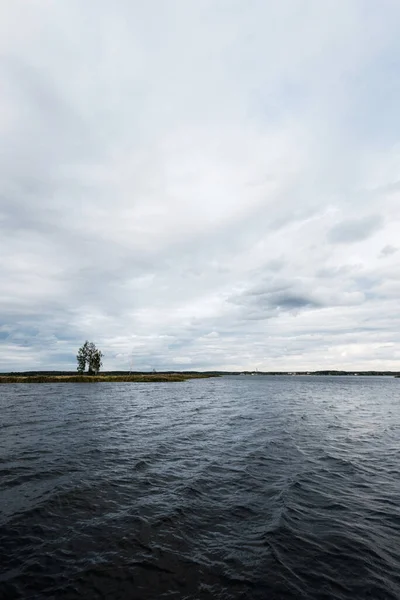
240, 487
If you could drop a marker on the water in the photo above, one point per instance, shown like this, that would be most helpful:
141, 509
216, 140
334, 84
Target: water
239, 487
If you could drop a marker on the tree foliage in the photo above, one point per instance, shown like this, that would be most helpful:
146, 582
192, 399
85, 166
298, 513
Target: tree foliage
88, 355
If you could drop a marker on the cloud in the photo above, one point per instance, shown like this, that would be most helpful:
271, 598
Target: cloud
265, 300
226, 196
388, 250
355, 230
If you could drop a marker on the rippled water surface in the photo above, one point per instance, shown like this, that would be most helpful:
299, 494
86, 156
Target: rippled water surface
239, 487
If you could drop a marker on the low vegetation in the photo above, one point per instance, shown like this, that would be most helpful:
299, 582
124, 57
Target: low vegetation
139, 377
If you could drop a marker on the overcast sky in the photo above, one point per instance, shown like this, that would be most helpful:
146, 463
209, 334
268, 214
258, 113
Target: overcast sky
200, 184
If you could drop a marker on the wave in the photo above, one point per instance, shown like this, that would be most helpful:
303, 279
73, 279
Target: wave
221, 489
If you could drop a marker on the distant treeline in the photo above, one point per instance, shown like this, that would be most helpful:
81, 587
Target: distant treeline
331, 373
362, 373
276, 373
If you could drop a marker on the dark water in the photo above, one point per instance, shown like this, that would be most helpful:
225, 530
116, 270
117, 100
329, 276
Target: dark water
246, 487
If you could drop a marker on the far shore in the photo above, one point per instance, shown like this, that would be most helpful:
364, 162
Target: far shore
165, 376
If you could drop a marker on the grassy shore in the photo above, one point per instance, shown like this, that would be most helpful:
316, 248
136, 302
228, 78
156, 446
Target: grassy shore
147, 377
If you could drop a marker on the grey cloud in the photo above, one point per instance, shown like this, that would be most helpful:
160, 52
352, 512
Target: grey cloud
355, 230
277, 296
266, 299
294, 302
388, 251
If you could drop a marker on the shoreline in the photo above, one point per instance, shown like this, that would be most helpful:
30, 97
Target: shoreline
166, 376
139, 378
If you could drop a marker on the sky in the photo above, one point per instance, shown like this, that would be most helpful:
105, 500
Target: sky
200, 184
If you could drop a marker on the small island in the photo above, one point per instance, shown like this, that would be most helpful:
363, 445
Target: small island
48, 377
89, 360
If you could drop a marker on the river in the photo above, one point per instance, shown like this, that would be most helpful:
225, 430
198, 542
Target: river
237, 487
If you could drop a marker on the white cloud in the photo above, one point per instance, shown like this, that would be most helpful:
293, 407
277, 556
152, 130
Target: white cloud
160, 159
